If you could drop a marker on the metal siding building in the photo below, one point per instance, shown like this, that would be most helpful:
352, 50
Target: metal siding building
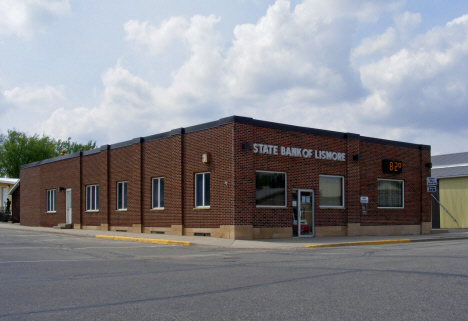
451, 171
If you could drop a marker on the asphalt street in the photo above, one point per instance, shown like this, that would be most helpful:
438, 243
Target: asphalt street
52, 276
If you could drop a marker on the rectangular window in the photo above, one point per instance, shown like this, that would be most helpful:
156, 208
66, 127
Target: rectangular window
270, 188
202, 190
331, 191
122, 195
92, 197
158, 192
390, 193
50, 200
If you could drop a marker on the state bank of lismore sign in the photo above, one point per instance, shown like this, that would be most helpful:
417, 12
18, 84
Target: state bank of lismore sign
297, 152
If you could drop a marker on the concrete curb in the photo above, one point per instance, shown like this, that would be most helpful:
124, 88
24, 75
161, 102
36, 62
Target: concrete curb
387, 242
144, 240
279, 244
441, 239
359, 243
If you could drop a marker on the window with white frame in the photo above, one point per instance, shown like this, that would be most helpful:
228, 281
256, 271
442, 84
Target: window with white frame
122, 195
390, 193
158, 193
270, 188
202, 190
331, 191
50, 200
92, 197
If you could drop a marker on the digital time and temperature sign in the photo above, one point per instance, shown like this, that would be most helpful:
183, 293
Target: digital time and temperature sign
392, 166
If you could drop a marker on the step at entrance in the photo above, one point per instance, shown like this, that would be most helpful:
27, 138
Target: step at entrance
63, 226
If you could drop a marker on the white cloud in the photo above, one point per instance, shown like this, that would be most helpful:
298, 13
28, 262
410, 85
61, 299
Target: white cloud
23, 18
424, 84
296, 65
81, 123
132, 107
23, 108
195, 83
376, 45
303, 48
157, 39
293, 62
126, 104
392, 39
407, 21
32, 98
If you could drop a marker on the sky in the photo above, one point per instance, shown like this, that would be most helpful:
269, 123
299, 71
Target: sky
110, 71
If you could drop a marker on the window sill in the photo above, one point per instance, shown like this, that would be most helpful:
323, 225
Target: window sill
122, 210
51, 212
92, 211
157, 209
202, 208
390, 208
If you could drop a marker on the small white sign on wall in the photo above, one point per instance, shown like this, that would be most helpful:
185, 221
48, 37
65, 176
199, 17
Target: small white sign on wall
431, 181
364, 199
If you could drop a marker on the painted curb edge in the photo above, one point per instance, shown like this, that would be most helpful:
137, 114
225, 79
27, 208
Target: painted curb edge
144, 240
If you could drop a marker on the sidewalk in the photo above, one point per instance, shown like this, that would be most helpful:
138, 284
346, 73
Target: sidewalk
291, 243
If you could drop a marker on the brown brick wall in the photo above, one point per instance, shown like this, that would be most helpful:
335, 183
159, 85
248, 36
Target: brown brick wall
35, 182
125, 166
217, 142
353, 181
179, 157
425, 196
302, 173
94, 172
162, 158
31, 201
371, 170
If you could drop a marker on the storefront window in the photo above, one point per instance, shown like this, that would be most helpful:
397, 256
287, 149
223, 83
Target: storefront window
270, 189
390, 193
331, 191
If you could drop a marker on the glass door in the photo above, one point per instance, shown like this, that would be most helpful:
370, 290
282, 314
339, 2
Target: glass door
303, 212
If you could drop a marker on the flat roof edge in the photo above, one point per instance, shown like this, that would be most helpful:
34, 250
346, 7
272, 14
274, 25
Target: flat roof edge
262, 123
448, 176
51, 160
323, 132
230, 120
394, 143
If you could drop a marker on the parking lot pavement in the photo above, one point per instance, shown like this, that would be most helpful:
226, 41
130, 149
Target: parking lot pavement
304, 242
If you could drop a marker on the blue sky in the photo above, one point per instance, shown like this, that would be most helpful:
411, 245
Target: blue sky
111, 71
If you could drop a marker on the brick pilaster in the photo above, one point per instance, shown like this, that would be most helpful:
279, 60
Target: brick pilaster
353, 191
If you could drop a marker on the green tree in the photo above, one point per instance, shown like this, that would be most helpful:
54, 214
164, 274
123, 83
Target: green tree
17, 148
72, 147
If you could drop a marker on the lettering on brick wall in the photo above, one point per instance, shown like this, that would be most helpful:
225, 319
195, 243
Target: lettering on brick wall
298, 152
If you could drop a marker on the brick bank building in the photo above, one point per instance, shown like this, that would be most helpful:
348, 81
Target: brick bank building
236, 178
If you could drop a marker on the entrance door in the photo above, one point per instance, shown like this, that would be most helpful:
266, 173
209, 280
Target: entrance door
303, 212
4, 195
68, 201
